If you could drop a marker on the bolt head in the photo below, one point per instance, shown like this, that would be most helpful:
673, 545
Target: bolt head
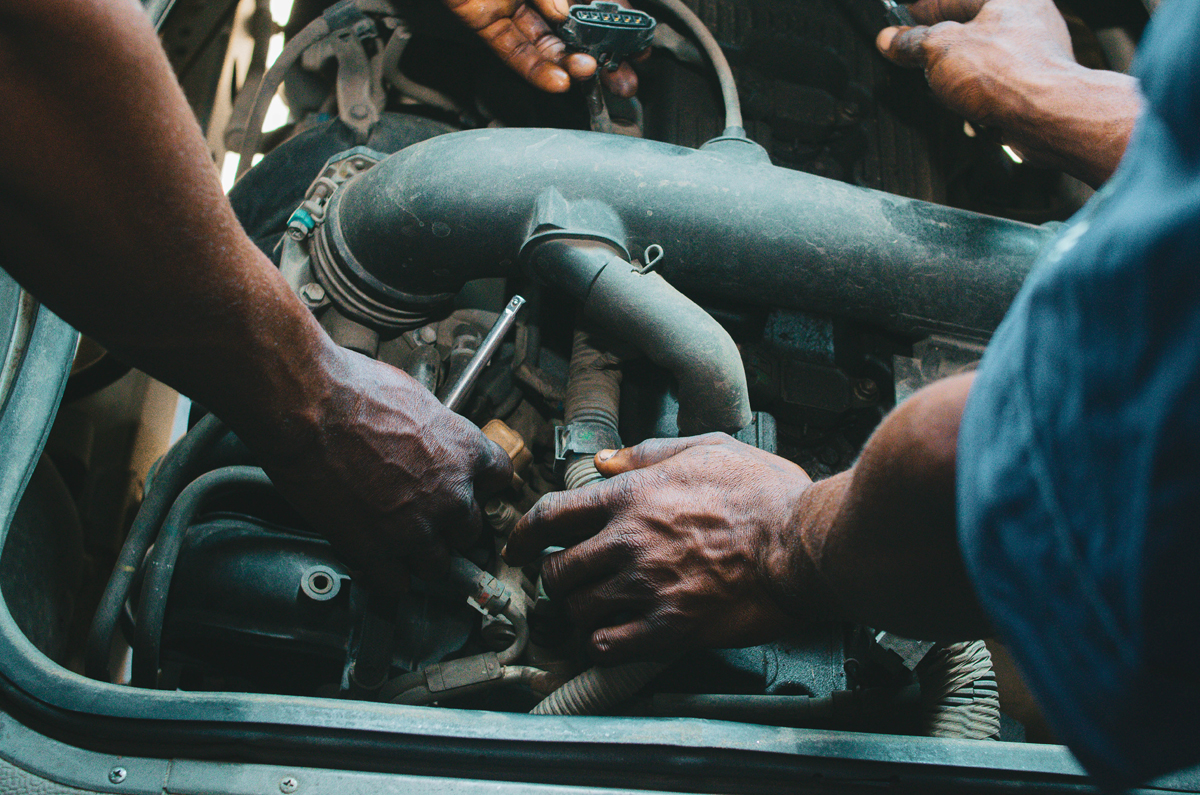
866, 390
289, 784
312, 293
117, 775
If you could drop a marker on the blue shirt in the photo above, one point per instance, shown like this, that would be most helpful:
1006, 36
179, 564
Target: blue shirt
1079, 451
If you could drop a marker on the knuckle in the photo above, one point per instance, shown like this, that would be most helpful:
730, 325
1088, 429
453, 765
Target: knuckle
941, 35
543, 509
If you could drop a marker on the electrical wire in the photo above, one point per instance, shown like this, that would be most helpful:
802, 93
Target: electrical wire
720, 65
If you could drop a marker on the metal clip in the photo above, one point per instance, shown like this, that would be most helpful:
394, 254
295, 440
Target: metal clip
651, 256
582, 438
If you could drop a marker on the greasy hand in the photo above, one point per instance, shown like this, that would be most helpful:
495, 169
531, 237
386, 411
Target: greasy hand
520, 32
980, 55
674, 552
391, 477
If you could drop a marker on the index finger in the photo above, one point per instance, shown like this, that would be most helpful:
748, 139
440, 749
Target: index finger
535, 60
561, 518
931, 12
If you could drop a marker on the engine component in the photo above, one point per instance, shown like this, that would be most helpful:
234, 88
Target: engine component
733, 227
959, 693
844, 706
160, 564
597, 690
607, 32
589, 413
898, 14
382, 252
643, 310
178, 468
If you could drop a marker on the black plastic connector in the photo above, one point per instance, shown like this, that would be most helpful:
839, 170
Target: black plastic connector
608, 32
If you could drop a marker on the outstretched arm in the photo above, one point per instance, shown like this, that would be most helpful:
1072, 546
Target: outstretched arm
707, 542
1009, 64
112, 214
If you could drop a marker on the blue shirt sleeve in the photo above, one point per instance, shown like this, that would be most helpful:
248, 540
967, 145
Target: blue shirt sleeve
1079, 452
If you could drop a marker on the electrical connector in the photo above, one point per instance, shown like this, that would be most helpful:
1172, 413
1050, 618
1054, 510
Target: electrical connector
608, 32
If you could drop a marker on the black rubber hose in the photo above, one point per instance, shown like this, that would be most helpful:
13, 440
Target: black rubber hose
642, 310
732, 226
840, 705
160, 565
177, 469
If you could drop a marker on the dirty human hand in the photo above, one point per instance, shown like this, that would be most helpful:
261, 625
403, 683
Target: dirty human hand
1009, 64
388, 474
684, 547
522, 33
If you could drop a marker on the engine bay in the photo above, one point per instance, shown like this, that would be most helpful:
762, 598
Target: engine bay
787, 280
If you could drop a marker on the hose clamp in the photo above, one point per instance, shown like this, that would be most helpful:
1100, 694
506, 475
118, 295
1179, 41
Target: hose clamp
583, 438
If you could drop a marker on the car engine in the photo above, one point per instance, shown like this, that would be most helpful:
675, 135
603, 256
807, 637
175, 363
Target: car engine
782, 237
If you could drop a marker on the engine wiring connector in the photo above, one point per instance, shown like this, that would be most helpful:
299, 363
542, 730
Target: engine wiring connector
608, 32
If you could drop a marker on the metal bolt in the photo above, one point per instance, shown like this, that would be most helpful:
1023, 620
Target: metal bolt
427, 334
312, 293
289, 784
866, 390
117, 775
501, 515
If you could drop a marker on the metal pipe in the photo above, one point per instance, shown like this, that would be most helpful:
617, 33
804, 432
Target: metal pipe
457, 392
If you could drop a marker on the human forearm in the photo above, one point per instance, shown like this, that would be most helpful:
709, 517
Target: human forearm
115, 218
117, 221
877, 544
1078, 121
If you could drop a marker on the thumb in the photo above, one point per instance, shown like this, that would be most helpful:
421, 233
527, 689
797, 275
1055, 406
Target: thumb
904, 46
649, 453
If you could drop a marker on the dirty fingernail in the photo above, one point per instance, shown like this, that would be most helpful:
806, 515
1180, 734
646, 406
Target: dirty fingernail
604, 455
884, 40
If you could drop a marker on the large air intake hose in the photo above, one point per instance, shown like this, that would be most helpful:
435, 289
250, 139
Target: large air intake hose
733, 227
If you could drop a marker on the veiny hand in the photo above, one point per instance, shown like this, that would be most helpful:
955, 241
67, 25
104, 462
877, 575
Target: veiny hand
393, 479
978, 53
520, 33
1009, 64
681, 549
